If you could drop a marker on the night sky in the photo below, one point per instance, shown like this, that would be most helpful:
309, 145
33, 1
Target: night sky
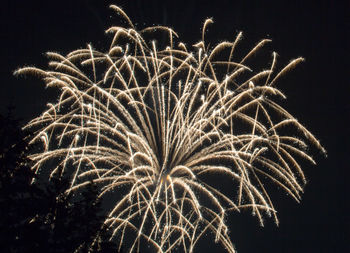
317, 90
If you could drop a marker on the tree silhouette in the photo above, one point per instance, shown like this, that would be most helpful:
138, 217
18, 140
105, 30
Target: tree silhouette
43, 218
17, 195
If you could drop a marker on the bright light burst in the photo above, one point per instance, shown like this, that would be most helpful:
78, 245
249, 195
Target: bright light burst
159, 127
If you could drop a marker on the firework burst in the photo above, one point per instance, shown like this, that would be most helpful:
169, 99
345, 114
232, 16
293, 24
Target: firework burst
155, 125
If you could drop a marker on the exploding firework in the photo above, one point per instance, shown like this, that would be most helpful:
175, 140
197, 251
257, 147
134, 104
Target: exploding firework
159, 127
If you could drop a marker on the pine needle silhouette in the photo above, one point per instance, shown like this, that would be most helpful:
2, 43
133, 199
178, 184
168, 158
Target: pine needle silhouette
161, 126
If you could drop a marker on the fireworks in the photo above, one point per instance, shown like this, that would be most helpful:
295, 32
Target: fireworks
158, 126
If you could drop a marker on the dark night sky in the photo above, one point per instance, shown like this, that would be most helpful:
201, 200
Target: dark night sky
317, 91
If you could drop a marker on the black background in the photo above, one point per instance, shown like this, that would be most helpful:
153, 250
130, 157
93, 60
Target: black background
317, 90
